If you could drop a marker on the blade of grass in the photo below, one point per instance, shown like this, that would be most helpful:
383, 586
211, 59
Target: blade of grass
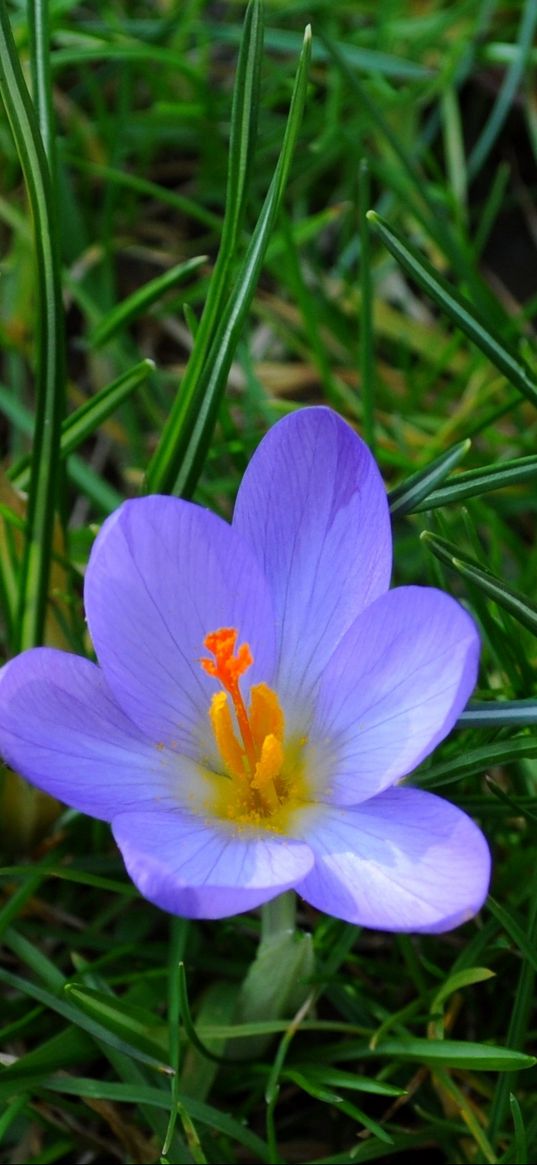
366, 362
83, 422
494, 714
140, 300
521, 1156
180, 456
38, 24
412, 178
511, 83
163, 467
406, 497
50, 386
476, 760
520, 1017
459, 309
463, 1054
519, 606
280, 40
474, 482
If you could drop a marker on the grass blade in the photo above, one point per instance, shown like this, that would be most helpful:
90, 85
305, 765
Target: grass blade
459, 309
180, 456
406, 497
520, 607
50, 380
86, 419
475, 482
140, 300
243, 133
511, 83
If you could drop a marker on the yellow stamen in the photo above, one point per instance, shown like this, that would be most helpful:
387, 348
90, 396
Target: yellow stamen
266, 715
226, 741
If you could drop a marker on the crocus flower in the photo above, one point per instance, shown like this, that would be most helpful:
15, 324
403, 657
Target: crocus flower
259, 696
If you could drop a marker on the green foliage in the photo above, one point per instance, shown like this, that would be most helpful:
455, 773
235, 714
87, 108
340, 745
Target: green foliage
216, 218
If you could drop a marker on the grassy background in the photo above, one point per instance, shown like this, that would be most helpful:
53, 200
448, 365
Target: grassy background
149, 183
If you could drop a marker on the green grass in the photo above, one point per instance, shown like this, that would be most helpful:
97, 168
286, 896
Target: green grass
187, 204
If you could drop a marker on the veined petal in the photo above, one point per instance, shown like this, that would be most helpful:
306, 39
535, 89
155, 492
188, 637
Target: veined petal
404, 861
61, 727
313, 507
189, 867
393, 690
162, 575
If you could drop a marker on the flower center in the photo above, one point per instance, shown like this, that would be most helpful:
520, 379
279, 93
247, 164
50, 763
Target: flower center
266, 776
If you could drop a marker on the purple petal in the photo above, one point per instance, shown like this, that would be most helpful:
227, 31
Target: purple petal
62, 729
162, 575
188, 867
313, 507
404, 861
392, 690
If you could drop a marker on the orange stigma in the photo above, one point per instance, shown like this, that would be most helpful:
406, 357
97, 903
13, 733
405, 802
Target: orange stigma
266, 779
228, 668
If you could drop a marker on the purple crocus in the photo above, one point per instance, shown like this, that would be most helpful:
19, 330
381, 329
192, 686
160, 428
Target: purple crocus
260, 694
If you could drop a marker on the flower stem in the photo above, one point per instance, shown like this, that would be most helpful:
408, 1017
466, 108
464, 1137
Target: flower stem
279, 915
278, 980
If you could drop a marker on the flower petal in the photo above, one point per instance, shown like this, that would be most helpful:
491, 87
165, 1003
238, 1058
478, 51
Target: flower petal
187, 867
62, 729
313, 507
404, 861
392, 690
162, 575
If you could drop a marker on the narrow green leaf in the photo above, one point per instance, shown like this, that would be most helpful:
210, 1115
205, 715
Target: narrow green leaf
66, 1049
280, 40
179, 458
494, 714
50, 379
454, 1054
360, 1117
454, 150
147, 1094
30, 954
337, 1078
477, 760
520, 607
459, 309
462, 1103
142, 299
83, 422
315, 1089
474, 482
100, 492
77, 1017
516, 604
506, 96
11, 1113
38, 23
520, 1016
366, 361
188, 1022
163, 467
521, 1141
514, 930
406, 497
456, 982
130, 1024
413, 188
16, 901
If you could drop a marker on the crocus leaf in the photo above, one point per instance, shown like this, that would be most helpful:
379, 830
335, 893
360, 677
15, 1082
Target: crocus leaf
455, 1054
459, 309
520, 607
